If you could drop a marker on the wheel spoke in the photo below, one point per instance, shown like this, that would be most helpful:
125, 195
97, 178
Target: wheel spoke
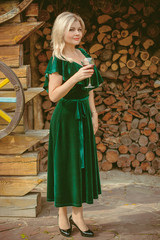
8, 99
4, 82
5, 116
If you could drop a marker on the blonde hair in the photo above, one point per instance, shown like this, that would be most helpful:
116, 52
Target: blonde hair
62, 23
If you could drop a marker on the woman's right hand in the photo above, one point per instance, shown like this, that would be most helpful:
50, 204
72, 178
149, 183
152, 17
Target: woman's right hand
84, 72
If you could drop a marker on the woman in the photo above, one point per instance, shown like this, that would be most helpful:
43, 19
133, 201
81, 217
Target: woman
73, 176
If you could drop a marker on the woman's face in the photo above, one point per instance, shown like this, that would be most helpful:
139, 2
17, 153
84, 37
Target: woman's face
74, 35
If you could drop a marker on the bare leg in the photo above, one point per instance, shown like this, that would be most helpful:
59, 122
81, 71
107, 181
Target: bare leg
63, 219
77, 216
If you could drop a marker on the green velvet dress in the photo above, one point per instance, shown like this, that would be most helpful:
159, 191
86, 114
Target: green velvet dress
73, 174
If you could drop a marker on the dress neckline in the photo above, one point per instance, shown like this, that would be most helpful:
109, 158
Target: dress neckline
82, 51
83, 55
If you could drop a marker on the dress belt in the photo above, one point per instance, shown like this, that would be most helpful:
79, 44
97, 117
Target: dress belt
79, 115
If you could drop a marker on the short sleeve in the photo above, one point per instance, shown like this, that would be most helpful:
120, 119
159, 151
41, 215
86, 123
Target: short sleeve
96, 77
54, 65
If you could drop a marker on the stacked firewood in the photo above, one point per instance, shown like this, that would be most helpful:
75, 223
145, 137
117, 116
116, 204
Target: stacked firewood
125, 46
121, 51
43, 53
129, 111
42, 148
129, 126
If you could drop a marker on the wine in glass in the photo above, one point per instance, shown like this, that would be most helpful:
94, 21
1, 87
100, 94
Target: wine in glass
89, 61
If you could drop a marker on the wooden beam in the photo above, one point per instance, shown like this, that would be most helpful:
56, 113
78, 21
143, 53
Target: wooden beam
30, 93
18, 129
19, 165
12, 55
24, 75
18, 186
9, 86
18, 143
26, 206
42, 187
11, 34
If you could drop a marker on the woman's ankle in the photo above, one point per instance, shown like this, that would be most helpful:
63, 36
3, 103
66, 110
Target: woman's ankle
63, 218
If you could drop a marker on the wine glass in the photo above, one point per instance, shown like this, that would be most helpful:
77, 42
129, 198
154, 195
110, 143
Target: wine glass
89, 61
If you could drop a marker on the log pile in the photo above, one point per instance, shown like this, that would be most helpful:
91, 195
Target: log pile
42, 148
127, 54
129, 126
125, 45
125, 50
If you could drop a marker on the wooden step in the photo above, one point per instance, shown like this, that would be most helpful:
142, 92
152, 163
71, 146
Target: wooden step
11, 34
12, 55
30, 93
24, 75
18, 186
19, 165
26, 206
18, 143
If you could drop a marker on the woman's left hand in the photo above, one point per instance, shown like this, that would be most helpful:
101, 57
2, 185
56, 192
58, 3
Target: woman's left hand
95, 122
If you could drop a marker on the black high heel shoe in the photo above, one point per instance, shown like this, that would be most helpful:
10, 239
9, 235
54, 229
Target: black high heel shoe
67, 232
87, 233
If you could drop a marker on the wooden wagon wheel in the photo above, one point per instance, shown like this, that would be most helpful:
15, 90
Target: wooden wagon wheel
15, 11
19, 100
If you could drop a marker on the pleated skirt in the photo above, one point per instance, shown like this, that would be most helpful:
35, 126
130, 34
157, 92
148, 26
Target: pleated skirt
73, 173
